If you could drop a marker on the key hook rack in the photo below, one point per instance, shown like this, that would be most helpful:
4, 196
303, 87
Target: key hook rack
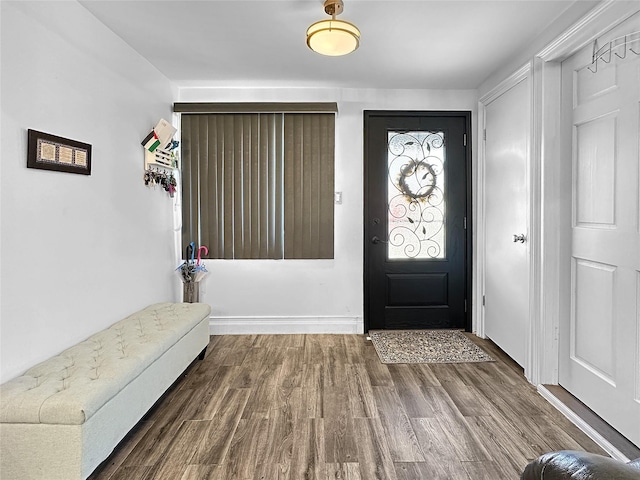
624, 44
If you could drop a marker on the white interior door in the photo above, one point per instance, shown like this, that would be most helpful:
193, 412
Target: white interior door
599, 343
506, 273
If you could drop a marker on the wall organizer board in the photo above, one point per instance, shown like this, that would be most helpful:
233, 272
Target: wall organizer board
159, 146
50, 152
160, 157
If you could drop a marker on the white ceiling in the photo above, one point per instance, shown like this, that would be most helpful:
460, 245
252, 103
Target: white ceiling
450, 44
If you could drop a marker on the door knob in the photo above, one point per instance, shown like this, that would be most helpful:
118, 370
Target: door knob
519, 238
375, 240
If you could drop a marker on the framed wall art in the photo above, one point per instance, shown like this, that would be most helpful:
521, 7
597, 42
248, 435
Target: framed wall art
50, 152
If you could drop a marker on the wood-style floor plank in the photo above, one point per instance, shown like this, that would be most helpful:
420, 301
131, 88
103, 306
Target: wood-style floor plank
291, 374
213, 449
500, 445
343, 471
263, 394
137, 472
361, 401
422, 471
290, 407
280, 437
181, 450
202, 472
312, 391
407, 386
373, 450
402, 441
440, 456
308, 460
485, 471
339, 433
248, 446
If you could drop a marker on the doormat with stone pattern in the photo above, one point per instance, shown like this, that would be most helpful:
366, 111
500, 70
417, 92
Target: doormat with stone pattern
426, 346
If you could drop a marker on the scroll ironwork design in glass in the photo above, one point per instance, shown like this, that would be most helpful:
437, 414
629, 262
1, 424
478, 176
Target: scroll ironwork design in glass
415, 195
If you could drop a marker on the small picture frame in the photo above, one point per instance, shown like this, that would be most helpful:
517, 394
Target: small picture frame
50, 152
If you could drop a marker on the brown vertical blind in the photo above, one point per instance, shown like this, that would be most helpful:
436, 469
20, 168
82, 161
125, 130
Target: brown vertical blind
259, 185
309, 174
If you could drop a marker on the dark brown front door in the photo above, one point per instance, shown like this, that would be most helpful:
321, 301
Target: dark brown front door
416, 237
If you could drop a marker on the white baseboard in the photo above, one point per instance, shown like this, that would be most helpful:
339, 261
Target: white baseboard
582, 425
284, 325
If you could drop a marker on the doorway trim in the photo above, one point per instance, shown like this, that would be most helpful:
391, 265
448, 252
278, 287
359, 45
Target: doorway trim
549, 185
554, 276
468, 266
553, 188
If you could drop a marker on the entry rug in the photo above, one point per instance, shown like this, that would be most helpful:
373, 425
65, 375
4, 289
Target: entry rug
426, 346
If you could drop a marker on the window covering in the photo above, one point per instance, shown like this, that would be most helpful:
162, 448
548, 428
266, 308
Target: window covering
259, 185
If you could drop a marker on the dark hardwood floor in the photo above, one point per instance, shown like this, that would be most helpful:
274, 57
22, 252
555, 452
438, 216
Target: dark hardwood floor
324, 407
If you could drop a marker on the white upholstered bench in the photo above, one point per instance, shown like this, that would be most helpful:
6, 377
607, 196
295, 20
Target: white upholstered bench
64, 416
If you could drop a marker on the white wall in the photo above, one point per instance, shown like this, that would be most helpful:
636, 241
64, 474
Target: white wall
77, 252
558, 27
312, 295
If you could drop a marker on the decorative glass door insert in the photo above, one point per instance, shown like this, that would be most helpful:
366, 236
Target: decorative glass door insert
415, 195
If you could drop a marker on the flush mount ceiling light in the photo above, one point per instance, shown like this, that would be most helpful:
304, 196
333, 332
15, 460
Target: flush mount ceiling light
333, 37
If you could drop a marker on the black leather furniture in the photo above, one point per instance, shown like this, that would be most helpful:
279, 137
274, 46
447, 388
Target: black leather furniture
571, 465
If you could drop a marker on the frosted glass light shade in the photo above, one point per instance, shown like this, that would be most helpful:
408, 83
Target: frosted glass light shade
333, 37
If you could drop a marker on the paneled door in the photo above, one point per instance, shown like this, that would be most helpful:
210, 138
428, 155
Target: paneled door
600, 341
506, 205
416, 220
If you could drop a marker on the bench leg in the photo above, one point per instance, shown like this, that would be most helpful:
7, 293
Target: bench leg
202, 354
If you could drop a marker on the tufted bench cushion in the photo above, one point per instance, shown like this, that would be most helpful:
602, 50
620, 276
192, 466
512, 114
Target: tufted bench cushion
71, 387
64, 416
